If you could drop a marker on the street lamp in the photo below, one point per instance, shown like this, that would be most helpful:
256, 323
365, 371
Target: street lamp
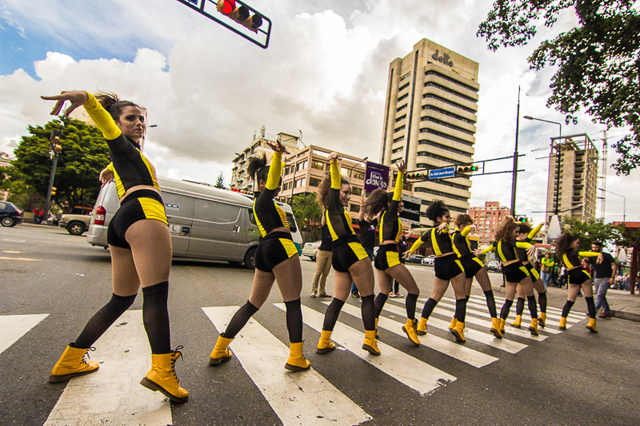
624, 203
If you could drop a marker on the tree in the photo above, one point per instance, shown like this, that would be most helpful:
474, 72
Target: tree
220, 182
84, 154
308, 214
598, 61
593, 230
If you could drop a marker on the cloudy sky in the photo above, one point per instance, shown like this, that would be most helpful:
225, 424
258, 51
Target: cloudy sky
324, 73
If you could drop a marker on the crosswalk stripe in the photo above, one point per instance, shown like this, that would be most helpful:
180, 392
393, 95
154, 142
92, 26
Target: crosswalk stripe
406, 369
447, 347
304, 398
13, 327
113, 394
551, 323
553, 313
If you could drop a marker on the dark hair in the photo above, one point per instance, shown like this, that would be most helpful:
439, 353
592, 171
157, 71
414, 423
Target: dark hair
524, 228
462, 219
377, 201
113, 104
436, 209
505, 228
324, 187
563, 243
597, 243
257, 168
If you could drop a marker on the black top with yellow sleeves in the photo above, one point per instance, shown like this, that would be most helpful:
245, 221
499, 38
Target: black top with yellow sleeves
129, 166
506, 250
269, 215
390, 225
571, 259
462, 241
441, 242
522, 252
337, 217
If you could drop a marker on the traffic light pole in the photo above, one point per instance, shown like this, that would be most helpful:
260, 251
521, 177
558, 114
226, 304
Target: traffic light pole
514, 177
53, 172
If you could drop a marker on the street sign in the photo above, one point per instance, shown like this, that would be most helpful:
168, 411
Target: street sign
411, 210
445, 172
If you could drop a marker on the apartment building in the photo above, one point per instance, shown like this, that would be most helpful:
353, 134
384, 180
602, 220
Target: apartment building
487, 219
430, 120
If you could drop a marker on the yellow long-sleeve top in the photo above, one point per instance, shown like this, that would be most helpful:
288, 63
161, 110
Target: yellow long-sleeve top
462, 241
390, 225
506, 250
571, 259
338, 220
269, 215
129, 166
441, 242
521, 252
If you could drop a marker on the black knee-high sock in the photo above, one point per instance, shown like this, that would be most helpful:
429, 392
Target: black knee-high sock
331, 316
294, 321
428, 308
542, 301
591, 307
567, 308
533, 308
461, 309
504, 312
239, 319
381, 299
410, 305
491, 303
368, 313
103, 319
519, 306
155, 316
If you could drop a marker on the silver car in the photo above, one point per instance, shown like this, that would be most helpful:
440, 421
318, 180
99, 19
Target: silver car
311, 250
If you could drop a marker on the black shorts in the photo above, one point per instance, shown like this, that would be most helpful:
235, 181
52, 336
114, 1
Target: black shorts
447, 267
387, 257
347, 251
515, 272
578, 276
533, 272
139, 205
471, 265
274, 249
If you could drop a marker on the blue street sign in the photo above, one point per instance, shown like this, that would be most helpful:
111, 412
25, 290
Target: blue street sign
445, 172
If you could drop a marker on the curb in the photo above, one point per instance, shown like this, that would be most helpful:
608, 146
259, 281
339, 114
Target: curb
629, 316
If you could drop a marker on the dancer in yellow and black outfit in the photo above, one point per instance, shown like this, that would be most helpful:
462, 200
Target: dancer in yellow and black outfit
567, 248
473, 267
276, 260
139, 242
526, 234
447, 268
350, 261
515, 273
387, 259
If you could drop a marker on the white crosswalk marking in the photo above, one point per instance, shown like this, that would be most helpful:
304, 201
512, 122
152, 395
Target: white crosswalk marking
447, 347
13, 327
113, 395
395, 363
553, 315
303, 398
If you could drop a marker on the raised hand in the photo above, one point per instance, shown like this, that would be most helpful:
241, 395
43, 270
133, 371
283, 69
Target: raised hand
442, 227
401, 166
333, 156
278, 147
76, 97
106, 176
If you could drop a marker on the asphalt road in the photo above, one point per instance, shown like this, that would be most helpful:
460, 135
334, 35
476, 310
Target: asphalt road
58, 281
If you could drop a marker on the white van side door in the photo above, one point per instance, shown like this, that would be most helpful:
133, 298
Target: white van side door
217, 231
180, 217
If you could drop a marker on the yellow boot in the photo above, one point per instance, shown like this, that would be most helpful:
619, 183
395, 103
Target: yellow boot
563, 323
325, 344
377, 335
454, 321
162, 376
410, 329
458, 332
518, 322
592, 325
502, 324
542, 319
495, 328
220, 352
422, 327
370, 344
297, 361
72, 364
533, 328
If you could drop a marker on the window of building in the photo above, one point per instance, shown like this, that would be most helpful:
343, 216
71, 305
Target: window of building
452, 80
401, 118
407, 75
358, 175
400, 139
403, 106
445, 124
402, 98
318, 165
356, 191
403, 87
314, 182
354, 208
302, 165
300, 182
397, 150
287, 170
448, 102
286, 186
453, 92
399, 129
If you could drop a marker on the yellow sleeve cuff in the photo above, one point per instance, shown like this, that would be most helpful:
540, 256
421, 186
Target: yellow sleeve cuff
523, 245
336, 179
275, 170
397, 192
465, 231
102, 118
111, 168
588, 254
488, 249
535, 231
416, 245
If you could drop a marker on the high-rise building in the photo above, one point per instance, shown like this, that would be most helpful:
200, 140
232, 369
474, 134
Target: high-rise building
487, 219
572, 187
430, 119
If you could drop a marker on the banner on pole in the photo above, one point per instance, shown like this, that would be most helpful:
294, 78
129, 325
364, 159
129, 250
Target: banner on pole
376, 177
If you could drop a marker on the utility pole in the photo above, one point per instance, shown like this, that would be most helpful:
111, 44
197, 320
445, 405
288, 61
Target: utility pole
55, 149
514, 176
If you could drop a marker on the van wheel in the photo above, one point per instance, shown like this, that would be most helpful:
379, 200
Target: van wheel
76, 228
250, 258
8, 221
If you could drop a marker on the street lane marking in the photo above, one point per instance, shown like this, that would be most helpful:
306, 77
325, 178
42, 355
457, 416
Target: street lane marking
11, 251
551, 322
13, 327
304, 398
444, 346
397, 364
20, 258
553, 313
113, 395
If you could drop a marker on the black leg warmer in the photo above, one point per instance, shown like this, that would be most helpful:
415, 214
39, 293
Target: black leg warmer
331, 316
379, 302
410, 305
368, 313
155, 316
533, 308
491, 303
591, 307
504, 312
294, 321
240, 319
519, 306
428, 308
461, 309
567, 308
103, 319
542, 301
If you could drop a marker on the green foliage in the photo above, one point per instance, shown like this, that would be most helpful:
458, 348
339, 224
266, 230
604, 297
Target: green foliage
598, 62
84, 154
220, 182
593, 230
308, 214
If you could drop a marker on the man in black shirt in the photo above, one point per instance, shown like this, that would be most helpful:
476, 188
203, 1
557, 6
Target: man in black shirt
605, 269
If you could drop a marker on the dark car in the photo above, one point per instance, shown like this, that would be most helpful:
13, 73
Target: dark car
10, 215
415, 258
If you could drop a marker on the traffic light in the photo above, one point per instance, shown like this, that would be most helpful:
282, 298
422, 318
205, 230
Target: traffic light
418, 176
241, 14
467, 169
521, 219
53, 191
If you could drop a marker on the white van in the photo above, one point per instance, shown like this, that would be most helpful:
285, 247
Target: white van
205, 223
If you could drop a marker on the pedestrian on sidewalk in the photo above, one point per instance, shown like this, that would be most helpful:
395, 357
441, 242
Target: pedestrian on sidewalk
323, 262
547, 269
605, 270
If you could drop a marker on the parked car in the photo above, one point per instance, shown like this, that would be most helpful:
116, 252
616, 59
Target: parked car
75, 224
311, 250
415, 258
10, 215
493, 266
429, 260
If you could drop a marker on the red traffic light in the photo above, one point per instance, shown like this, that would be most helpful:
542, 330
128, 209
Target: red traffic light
226, 6
241, 14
